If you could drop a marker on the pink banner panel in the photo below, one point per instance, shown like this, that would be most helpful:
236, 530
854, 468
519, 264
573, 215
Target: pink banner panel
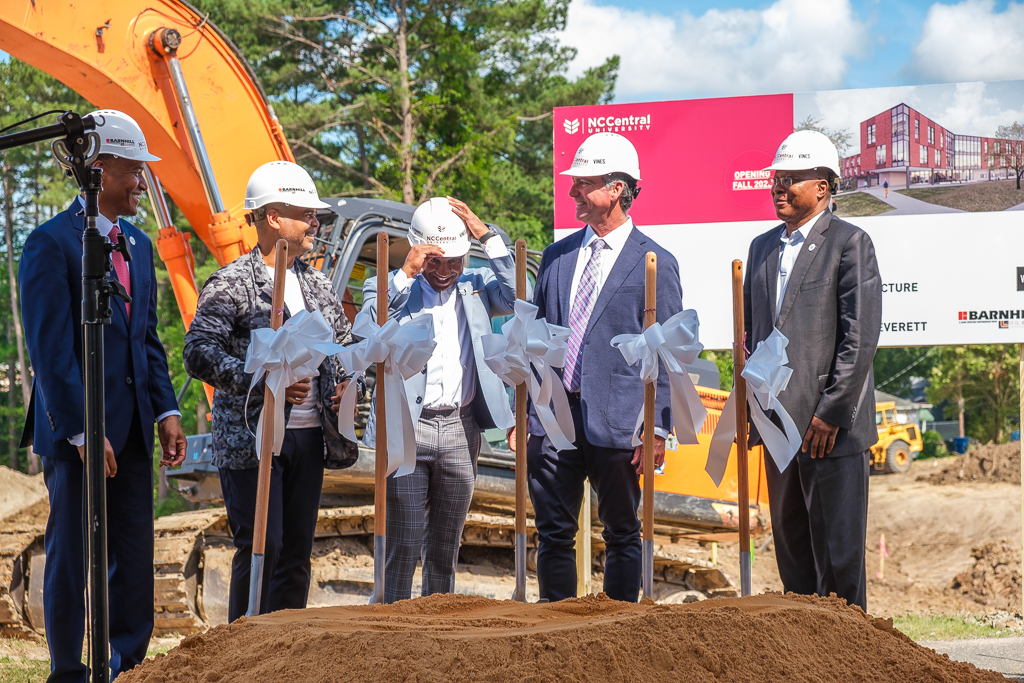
701, 160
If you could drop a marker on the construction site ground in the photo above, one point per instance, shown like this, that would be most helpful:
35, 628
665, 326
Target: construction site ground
954, 549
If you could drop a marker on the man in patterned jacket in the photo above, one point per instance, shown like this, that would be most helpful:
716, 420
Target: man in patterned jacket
236, 300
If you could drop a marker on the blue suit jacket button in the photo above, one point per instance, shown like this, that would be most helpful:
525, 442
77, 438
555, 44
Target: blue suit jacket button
127, 380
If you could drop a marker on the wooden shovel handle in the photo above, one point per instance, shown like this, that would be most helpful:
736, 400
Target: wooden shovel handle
267, 443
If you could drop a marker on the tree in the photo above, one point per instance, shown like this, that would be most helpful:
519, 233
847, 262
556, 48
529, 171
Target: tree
840, 137
1014, 135
33, 189
407, 100
896, 368
985, 380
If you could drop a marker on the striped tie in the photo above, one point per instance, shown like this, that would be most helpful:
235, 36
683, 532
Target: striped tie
121, 268
579, 316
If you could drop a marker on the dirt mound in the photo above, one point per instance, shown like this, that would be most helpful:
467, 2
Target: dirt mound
19, 491
988, 463
461, 638
995, 579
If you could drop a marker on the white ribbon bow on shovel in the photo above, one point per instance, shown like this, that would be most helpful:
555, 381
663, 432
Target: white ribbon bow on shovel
767, 375
404, 350
676, 344
526, 342
292, 352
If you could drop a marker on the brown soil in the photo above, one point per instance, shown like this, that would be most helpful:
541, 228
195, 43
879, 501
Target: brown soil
19, 491
989, 463
464, 638
995, 579
33, 516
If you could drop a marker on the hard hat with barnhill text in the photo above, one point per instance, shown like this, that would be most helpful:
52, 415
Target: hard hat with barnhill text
434, 222
121, 136
282, 182
604, 153
805, 150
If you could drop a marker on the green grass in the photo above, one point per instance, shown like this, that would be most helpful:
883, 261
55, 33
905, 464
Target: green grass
18, 666
993, 195
859, 204
947, 628
23, 671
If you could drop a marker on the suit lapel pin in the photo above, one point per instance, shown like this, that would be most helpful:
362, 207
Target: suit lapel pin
810, 248
132, 240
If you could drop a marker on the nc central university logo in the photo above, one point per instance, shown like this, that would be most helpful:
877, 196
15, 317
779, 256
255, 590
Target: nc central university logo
607, 124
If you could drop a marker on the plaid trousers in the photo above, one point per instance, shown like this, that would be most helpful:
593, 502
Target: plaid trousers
427, 508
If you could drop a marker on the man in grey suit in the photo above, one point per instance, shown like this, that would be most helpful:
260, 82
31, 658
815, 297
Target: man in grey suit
593, 283
454, 397
815, 278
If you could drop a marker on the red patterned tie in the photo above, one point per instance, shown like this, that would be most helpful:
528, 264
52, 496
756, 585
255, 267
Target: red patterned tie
121, 268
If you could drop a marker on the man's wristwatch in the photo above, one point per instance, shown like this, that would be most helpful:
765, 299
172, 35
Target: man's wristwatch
491, 232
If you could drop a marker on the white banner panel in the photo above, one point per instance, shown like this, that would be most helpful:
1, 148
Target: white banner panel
949, 279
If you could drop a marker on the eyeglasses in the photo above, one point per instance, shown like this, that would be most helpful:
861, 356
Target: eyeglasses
788, 181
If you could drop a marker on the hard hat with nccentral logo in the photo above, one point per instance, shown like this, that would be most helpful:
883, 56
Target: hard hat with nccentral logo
604, 153
282, 182
806, 150
434, 222
121, 136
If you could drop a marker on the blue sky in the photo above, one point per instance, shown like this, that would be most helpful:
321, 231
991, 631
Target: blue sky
677, 50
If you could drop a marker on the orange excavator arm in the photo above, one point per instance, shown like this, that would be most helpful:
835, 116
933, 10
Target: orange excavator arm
197, 101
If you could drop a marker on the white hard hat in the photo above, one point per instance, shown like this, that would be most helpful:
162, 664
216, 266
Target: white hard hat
121, 135
604, 153
434, 222
284, 182
805, 150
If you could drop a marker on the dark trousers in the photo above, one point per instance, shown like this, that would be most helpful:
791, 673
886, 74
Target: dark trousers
556, 481
296, 477
819, 519
129, 558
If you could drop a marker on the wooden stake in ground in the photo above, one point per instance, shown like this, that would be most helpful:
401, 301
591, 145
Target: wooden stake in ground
650, 316
521, 429
739, 360
259, 539
380, 480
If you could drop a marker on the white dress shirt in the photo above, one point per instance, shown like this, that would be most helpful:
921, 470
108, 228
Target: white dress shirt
105, 225
453, 358
791, 247
303, 415
614, 243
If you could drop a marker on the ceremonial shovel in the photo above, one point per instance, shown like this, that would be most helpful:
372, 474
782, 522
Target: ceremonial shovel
521, 429
650, 316
380, 482
739, 361
259, 540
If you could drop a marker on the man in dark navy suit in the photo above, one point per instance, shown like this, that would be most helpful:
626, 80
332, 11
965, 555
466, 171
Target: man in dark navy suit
593, 283
138, 394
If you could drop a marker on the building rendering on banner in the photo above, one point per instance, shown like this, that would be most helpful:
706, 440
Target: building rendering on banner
903, 147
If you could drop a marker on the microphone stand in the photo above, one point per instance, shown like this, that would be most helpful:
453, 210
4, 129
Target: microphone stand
75, 150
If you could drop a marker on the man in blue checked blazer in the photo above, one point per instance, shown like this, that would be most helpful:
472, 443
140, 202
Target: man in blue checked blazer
138, 393
592, 282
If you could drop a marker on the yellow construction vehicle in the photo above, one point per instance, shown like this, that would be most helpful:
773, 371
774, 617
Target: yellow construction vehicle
899, 442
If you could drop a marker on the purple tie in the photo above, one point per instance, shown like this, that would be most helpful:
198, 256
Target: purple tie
579, 316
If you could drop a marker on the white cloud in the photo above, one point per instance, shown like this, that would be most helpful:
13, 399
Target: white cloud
971, 41
973, 113
791, 46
